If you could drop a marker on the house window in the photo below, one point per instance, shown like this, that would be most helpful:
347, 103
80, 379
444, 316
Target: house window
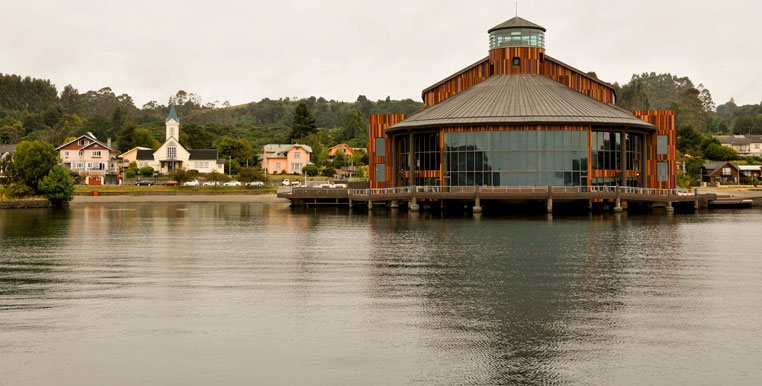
726, 171
66, 154
89, 165
296, 167
81, 142
516, 61
80, 165
81, 153
96, 153
171, 151
297, 155
277, 166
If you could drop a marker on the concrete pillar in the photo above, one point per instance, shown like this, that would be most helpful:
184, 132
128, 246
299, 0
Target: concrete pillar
414, 205
669, 208
370, 204
477, 202
394, 204
696, 202
549, 205
618, 206
350, 203
589, 205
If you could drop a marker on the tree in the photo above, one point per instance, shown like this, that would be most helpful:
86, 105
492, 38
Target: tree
142, 137
235, 149
693, 167
57, 186
33, 160
132, 170
717, 152
355, 129
181, 175
339, 160
124, 138
310, 170
198, 137
303, 123
328, 172
146, 171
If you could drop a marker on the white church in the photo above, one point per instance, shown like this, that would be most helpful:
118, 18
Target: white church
171, 155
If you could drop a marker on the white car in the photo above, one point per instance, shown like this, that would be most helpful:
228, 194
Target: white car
255, 184
211, 183
191, 183
232, 183
296, 183
286, 182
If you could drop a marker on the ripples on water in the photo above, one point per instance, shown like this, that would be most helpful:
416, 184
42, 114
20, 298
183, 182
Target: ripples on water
258, 293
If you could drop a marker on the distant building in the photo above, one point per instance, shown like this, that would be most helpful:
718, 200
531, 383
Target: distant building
171, 155
744, 145
750, 171
277, 158
519, 117
89, 157
720, 172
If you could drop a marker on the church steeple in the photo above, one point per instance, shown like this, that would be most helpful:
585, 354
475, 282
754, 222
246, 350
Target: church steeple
173, 124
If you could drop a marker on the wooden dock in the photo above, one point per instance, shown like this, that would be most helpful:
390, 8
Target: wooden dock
411, 196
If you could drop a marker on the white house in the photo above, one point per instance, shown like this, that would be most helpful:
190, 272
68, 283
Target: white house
171, 155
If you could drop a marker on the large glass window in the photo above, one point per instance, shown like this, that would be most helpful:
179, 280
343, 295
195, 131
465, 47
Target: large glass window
662, 171
515, 158
526, 37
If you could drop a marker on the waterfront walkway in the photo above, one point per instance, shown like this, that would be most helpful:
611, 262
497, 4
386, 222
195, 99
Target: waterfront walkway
412, 195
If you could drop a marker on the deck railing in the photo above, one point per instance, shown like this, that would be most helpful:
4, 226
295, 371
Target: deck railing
404, 190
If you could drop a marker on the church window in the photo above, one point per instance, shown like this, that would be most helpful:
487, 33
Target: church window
171, 151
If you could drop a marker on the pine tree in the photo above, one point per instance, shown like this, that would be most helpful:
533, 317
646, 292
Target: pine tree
303, 123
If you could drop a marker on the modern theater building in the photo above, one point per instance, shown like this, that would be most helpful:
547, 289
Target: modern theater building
520, 117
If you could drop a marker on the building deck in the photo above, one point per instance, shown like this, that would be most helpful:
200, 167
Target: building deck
318, 196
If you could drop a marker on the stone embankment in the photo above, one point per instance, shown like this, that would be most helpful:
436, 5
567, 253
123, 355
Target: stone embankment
26, 203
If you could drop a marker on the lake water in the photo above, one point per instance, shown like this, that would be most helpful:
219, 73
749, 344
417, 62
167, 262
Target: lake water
262, 294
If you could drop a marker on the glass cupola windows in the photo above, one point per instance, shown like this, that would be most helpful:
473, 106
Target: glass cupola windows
517, 37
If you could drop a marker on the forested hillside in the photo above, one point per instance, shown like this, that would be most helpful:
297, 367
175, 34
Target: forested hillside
34, 109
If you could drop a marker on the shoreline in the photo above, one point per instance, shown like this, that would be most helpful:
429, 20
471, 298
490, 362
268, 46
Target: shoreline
268, 198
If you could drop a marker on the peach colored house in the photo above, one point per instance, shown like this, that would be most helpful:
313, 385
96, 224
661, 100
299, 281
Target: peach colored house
341, 148
292, 158
87, 155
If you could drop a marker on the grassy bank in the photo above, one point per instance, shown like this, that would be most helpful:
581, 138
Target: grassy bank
132, 189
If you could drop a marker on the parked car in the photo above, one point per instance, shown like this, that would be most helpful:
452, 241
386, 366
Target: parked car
296, 183
232, 183
144, 183
169, 183
286, 182
255, 184
191, 183
211, 183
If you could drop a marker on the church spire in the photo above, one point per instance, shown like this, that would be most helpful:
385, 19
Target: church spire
173, 124
172, 114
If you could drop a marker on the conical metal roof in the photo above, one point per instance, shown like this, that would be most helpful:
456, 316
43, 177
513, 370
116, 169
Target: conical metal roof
519, 100
172, 114
516, 22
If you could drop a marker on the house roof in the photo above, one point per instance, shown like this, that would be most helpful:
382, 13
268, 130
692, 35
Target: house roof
747, 168
88, 136
145, 155
284, 148
738, 139
521, 99
714, 167
203, 154
516, 22
172, 114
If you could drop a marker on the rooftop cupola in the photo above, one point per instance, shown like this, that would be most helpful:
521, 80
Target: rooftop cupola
516, 32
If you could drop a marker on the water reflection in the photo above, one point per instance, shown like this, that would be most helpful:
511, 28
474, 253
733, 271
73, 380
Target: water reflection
333, 296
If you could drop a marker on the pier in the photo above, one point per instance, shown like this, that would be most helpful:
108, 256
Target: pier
617, 198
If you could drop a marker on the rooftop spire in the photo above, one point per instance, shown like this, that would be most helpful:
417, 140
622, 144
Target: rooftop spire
516, 22
172, 114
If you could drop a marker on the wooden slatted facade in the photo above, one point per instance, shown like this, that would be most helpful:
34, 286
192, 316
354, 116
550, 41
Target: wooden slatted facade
377, 125
509, 61
456, 83
664, 120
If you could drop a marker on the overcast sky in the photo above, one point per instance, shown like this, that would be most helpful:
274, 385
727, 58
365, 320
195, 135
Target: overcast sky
244, 51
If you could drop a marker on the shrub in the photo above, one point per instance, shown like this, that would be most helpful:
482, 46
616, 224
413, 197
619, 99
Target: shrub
58, 186
181, 175
132, 170
18, 190
217, 176
33, 160
328, 172
310, 170
250, 174
146, 171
